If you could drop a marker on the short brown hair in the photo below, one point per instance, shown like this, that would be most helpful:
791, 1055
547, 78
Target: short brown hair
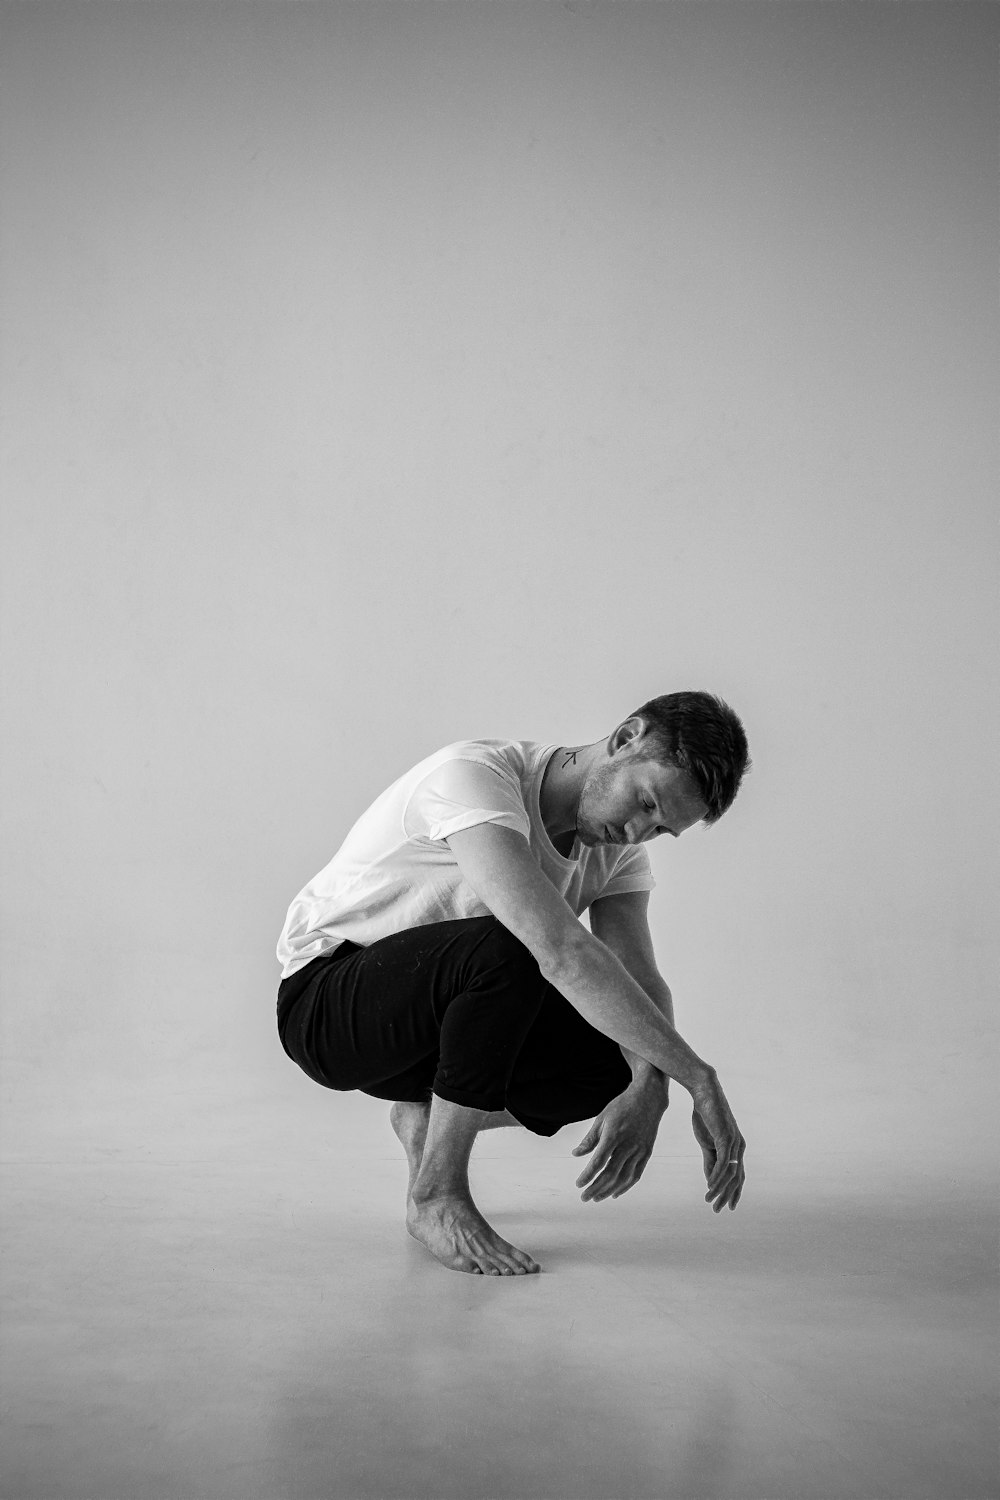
701, 735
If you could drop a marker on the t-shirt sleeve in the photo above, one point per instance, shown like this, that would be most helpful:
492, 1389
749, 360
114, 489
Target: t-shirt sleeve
631, 873
461, 793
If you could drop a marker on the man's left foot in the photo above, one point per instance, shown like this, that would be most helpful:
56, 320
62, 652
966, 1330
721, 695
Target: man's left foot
409, 1121
455, 1232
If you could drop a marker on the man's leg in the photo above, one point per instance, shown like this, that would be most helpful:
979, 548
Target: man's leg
432, 1018
566, 1069
410, 1119
440, 1211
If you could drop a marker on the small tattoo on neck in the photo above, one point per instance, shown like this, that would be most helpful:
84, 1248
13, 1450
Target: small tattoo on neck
570, 756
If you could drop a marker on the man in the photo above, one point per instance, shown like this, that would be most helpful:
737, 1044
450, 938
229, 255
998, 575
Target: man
438, 961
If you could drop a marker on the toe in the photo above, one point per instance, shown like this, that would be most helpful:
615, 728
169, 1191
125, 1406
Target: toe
464, 1263
503, 1264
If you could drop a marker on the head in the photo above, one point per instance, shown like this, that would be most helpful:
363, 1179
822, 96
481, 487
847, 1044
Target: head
676, 761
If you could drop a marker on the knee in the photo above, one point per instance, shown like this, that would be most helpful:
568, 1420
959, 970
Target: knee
498, 948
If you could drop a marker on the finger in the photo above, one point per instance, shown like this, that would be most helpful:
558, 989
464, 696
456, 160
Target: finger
595, 1166
588, 1143
637, 1169
719, 1202
604, 1185
732, 1195
739, 1177
726, 1160
627, 1173
728, 1192
737, 1192
719, 1173
722, 1179
597, 1186
724, 1195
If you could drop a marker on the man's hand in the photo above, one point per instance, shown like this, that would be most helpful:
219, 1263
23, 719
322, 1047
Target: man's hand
621, 1139
722, 1145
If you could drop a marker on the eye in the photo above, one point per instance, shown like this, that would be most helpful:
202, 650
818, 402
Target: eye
647, 805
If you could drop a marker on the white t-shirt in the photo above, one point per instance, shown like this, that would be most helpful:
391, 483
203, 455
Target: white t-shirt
394, 870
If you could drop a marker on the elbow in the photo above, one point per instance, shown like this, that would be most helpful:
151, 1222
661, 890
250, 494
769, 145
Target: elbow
565, 962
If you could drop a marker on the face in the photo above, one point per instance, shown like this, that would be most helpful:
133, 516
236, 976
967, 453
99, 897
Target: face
629, 801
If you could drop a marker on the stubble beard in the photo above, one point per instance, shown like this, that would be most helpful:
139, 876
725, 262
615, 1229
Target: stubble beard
590, 825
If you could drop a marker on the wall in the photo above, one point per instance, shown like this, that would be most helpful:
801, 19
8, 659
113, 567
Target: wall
378, 375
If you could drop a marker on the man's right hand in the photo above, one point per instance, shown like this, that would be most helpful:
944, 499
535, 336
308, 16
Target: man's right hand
722, 1144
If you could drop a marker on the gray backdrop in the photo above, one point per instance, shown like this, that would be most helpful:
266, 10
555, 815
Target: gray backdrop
379, 375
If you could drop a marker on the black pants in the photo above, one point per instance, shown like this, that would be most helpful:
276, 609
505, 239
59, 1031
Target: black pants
459, 1009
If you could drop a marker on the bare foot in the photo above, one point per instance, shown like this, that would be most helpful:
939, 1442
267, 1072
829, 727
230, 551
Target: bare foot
456, 1234
409, 1121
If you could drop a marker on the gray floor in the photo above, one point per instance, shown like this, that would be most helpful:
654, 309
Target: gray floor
255, 1323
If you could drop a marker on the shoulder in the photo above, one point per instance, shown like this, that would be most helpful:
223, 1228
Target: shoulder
504, 757
492, 751
464, 783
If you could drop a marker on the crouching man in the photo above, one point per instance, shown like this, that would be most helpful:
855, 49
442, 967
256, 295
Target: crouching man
438, 962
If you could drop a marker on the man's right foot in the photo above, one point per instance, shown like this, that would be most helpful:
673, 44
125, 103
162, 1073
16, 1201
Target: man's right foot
455, 1232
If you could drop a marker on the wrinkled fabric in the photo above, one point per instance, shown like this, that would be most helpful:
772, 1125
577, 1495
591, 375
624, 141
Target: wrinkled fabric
394, 870
459, 1009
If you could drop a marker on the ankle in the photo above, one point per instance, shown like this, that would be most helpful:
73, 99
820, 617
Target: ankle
432, 1188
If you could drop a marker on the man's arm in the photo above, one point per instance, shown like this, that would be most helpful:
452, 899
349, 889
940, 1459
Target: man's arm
498, 865
620, 1141
621, 924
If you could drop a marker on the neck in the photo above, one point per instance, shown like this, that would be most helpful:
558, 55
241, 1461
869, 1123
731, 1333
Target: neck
562, 784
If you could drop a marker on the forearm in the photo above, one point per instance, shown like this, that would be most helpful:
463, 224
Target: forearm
644, 1074
599, 986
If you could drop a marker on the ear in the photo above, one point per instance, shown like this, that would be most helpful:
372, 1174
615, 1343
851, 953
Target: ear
628, 734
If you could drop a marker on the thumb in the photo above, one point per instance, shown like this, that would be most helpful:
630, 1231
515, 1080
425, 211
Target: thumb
589, 1141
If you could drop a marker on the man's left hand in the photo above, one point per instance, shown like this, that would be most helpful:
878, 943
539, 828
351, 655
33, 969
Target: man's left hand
621, 1139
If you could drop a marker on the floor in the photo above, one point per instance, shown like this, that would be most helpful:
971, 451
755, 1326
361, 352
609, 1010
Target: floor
252, 1321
